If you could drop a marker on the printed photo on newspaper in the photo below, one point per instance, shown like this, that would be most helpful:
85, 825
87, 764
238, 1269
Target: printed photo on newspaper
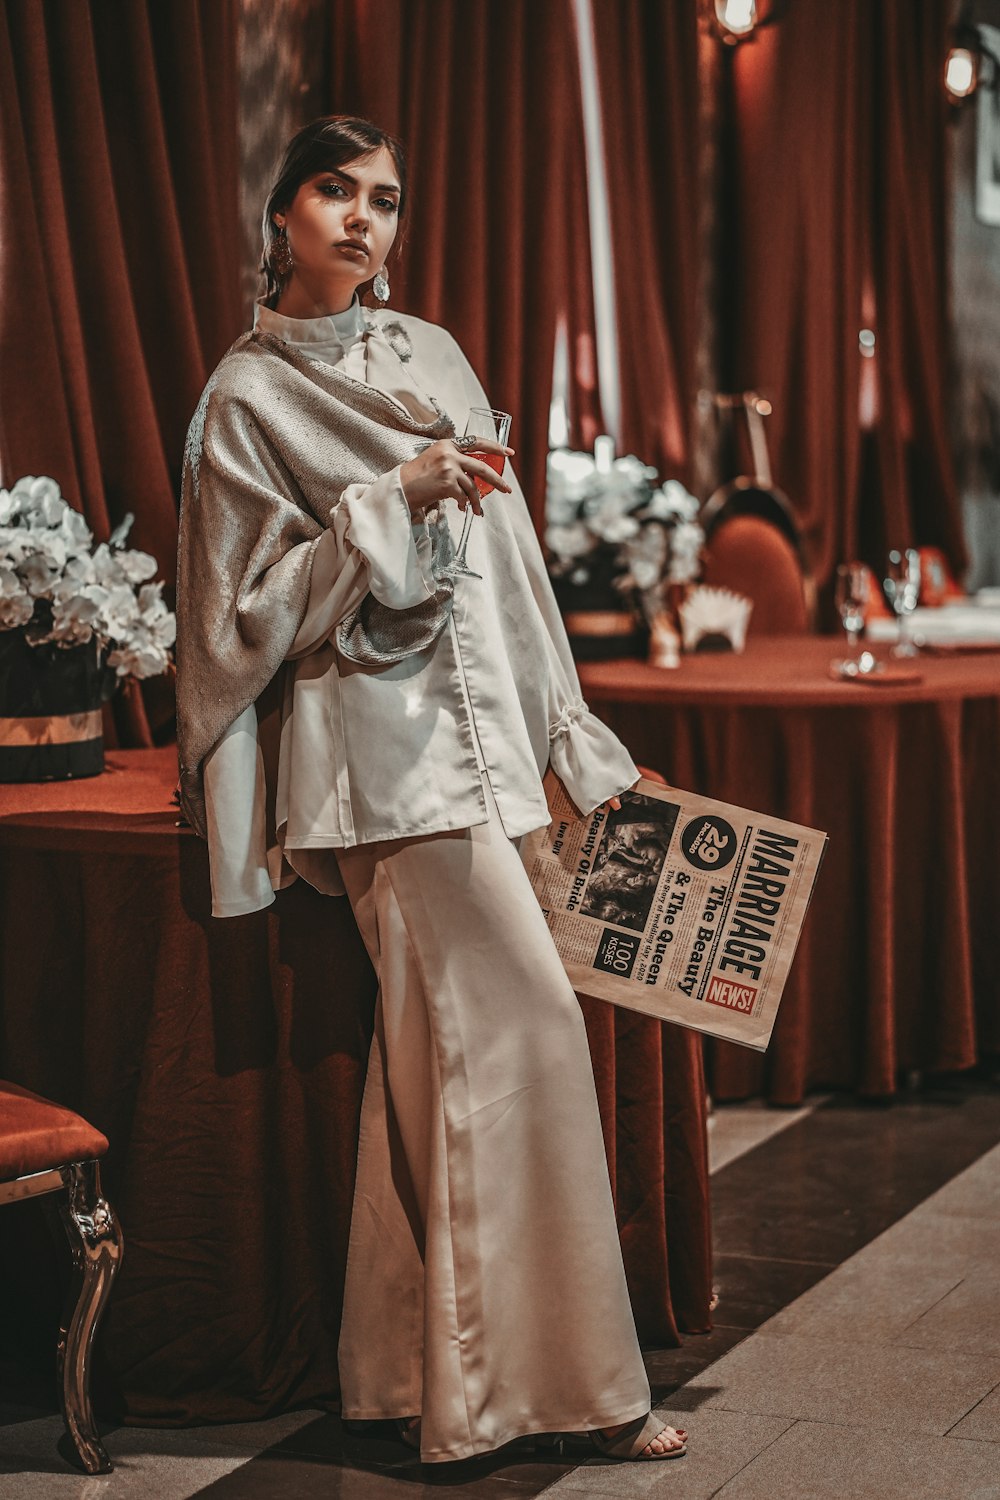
676, 905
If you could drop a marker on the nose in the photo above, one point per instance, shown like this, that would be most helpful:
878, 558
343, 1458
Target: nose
358, 220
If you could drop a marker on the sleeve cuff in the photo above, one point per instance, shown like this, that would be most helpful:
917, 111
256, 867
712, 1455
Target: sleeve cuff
396, 549
589, 759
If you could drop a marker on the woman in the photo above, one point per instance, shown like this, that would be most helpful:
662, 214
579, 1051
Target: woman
352, 712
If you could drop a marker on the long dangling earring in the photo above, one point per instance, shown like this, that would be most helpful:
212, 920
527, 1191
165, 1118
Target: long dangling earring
282, 253
380, 286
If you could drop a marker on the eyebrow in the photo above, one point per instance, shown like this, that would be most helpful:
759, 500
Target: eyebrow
380, 187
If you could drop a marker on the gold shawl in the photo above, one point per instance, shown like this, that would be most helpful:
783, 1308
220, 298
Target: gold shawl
275, 440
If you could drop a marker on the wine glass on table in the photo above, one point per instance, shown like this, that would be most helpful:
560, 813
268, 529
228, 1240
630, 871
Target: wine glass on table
483, 422
852, 597
902, 585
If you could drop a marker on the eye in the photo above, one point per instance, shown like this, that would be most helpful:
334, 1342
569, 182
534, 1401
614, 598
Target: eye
333, 189
387, 205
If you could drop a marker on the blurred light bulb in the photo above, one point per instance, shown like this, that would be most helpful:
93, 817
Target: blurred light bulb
961, 72
738, 17
866, 343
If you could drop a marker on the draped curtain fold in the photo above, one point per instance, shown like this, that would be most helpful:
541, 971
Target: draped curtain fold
486, 100
647, 66
118, 227
840, 187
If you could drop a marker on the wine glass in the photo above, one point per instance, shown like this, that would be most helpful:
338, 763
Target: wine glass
483, 422
852, 596
902, 585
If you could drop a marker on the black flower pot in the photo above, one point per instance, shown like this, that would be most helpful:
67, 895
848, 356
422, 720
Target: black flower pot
50, 710
600, 626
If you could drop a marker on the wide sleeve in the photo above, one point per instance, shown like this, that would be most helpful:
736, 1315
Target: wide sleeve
589, 759
374, 522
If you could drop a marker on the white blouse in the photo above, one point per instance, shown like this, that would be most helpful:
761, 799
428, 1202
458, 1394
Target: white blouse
320, 805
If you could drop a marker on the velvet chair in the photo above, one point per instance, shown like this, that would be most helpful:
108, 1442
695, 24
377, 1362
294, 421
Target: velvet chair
45, 1148
751, 556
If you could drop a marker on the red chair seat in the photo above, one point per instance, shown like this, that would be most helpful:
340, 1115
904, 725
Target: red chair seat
37, 1135
751, 556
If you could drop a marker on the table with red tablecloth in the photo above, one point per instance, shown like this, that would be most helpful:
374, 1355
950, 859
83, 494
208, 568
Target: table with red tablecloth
898, 968
224, 1060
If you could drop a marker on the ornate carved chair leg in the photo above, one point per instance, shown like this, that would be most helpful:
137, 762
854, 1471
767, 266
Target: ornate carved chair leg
96, 1242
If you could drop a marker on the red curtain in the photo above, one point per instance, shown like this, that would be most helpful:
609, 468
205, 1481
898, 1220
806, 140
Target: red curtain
647, 65
917, 483
839, 179
118, 214
486, 100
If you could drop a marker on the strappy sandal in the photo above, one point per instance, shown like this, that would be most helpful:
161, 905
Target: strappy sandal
632, 1439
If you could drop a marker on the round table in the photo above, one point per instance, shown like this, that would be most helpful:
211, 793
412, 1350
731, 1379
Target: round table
224, 1060
898, 968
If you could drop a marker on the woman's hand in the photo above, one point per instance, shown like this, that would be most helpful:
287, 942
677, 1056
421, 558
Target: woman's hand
444, 472
614, 803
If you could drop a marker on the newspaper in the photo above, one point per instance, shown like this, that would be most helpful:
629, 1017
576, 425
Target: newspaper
677, 906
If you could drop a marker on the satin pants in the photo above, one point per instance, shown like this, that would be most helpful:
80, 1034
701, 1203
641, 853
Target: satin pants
485, 1288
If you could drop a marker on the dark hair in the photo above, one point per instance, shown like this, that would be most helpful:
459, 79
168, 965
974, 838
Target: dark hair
324, 145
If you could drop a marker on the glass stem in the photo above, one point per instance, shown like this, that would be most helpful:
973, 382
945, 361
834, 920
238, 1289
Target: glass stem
464, 540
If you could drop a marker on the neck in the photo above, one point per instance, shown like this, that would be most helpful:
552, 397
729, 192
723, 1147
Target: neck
299, 299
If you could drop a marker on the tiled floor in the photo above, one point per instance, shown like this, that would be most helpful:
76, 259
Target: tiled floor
856, 1351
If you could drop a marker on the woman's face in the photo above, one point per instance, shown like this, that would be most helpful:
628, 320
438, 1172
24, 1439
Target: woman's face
341, 224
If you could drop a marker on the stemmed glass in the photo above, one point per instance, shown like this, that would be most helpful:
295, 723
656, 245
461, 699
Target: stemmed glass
902, 585
483, 422
853, 593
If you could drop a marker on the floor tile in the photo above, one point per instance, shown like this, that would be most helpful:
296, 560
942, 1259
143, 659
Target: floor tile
280, 1476
937, 1239
813, 1461
726, 1441
734, 1129
35, 1465
669, 1368
982, 1422
975, 1193
911, 1390
753, 1288
870, 1299
800, 1195
967, 1318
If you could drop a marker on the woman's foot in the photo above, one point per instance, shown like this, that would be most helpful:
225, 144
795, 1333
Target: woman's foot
666, 1440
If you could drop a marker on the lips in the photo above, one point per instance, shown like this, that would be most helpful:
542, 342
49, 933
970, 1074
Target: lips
352, 245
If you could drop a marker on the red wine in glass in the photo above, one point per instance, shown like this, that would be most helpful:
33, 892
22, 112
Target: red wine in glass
483, 422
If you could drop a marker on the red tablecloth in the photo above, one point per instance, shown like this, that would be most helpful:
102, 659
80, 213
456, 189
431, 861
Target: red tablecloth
224, 1060
899, 964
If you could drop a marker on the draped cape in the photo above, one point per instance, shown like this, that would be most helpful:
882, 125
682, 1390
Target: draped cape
273, 444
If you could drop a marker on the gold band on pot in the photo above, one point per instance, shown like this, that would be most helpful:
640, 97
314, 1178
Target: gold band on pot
51, 729
598, 622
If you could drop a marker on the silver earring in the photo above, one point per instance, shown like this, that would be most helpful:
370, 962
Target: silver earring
380, 286
282, 254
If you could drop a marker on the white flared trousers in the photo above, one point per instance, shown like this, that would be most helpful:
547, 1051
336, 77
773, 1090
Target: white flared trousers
485, 1286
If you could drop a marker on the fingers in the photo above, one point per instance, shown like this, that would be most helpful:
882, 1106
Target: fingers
468, 494
485, 471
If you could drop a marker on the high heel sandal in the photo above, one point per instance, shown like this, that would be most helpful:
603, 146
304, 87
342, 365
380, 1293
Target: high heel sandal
630, 1441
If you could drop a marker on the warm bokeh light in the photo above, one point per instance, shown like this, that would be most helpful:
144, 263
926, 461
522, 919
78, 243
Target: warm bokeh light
961, 72
739, 17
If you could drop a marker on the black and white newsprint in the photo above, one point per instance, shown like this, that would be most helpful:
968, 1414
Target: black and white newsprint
678, 906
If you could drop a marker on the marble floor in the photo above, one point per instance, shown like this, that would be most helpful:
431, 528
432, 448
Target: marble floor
856, 1348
